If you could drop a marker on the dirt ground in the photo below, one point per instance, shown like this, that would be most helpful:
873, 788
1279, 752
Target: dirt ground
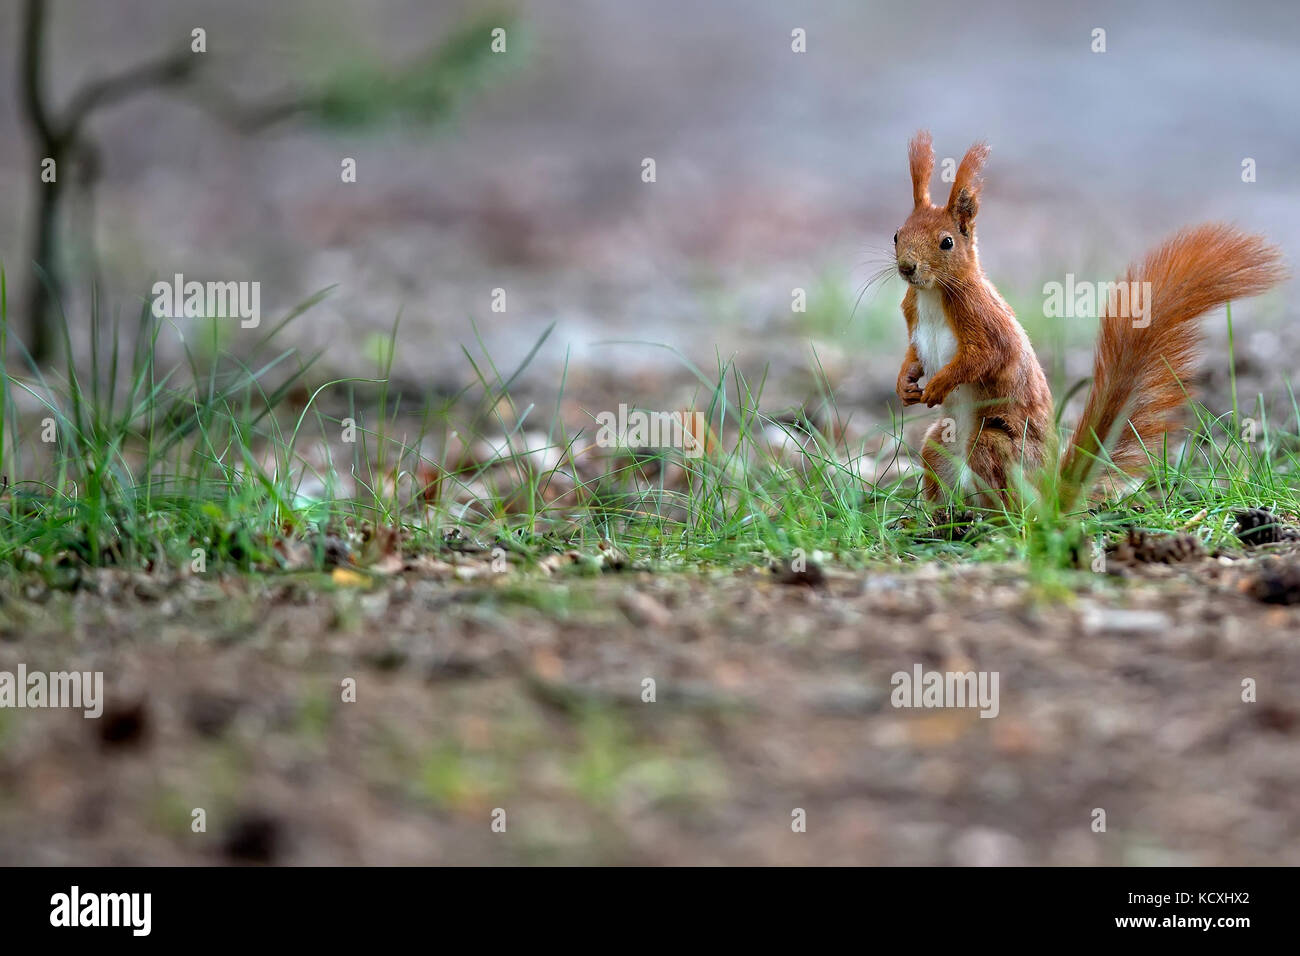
523, 692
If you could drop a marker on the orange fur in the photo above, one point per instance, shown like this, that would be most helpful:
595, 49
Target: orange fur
1141, 376
920, 158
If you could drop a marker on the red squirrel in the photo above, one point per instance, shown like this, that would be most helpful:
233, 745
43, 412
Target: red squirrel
978, 362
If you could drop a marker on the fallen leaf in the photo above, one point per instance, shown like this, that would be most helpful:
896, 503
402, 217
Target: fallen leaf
348, 579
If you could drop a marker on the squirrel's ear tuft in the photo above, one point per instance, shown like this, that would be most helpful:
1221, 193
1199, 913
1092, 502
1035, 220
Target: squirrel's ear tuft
920, 157
964, 200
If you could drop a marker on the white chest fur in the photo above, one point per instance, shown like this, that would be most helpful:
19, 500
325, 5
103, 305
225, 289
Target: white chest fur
936, 345
932, 337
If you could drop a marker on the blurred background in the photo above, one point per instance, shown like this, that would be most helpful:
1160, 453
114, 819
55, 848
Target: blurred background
522, 171
775, 170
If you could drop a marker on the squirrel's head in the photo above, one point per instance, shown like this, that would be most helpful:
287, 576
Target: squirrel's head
936, 246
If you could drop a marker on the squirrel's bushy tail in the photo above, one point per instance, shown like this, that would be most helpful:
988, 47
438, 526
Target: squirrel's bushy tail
1141, 371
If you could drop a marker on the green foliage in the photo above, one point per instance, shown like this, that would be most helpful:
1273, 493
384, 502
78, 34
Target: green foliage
151, 464
423, 91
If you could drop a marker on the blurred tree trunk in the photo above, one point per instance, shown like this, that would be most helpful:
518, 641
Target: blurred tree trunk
425, 88
61, 140
45, 279
45, 288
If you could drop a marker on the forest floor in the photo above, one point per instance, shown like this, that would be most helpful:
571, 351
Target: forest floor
521, 698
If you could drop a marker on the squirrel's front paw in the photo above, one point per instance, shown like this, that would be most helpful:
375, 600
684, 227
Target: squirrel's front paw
909, 392
936, 392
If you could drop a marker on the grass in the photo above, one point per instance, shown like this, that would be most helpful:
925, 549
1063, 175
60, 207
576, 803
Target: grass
227, 463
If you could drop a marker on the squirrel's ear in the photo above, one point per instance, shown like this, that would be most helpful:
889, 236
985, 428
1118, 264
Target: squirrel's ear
920, 156
964, 200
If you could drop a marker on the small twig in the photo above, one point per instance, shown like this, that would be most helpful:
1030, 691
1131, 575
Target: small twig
248, 118
166, 71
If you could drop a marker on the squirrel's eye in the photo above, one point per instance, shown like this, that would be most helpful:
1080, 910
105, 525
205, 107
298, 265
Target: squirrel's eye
895, 238
945, 243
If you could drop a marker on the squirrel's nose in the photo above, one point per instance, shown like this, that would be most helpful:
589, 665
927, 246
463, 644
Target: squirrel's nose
906, 268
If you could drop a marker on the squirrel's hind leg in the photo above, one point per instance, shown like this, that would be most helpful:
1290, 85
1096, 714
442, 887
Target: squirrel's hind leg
997, 462
942, 467
992, 456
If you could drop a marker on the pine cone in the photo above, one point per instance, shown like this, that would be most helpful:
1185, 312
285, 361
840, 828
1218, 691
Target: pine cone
1256, 526
1143, 548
